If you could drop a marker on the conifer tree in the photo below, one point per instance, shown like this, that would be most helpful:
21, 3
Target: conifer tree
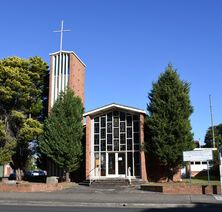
63, 131
168, 121
22, 95
208, 140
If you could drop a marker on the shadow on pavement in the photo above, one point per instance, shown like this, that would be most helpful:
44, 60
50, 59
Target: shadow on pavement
196, 208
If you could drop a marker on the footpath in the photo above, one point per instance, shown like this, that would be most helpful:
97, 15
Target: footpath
78, 196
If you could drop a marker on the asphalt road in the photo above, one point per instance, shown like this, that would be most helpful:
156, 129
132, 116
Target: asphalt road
202, 208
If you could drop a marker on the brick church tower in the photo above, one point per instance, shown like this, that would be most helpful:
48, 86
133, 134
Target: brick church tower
66, 69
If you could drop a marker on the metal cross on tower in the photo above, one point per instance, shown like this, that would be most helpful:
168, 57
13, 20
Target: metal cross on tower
61, 34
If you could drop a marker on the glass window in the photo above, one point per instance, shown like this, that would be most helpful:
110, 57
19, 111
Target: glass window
129, 120
116, 132
122, 116
136, 147
122, 139
109, 148
122, 147
96, 148
96, 119
136, 138
103, 133
130, 161
109, 127
109, 116
136, 126
103, 122
116, 145
96, 139
115, 113
103, 145
103, 164
129, 132
116, 121
109, 138
129, 144
122, 127
96, 128
137, 163
135, 117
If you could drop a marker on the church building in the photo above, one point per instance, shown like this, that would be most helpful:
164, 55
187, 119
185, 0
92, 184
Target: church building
114, 133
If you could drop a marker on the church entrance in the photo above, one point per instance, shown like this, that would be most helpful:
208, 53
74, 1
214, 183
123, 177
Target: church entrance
116, 164
116, 145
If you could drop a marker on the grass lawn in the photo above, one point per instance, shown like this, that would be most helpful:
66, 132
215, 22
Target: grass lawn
196, 181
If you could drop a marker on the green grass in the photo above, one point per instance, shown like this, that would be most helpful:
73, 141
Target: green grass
203, 181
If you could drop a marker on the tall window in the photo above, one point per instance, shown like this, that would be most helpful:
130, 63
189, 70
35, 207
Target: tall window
118, 131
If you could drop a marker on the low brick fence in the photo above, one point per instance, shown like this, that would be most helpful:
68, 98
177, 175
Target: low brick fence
182, 188
32, 187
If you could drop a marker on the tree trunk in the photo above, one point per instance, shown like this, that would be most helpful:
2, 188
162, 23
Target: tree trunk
18, 175
67, 177
170, 174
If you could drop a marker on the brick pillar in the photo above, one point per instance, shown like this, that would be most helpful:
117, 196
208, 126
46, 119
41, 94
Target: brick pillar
88, 146
142, 159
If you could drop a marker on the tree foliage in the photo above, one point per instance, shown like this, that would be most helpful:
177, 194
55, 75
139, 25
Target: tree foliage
217, 134
168, 124
7, 145
22, 94
63, 131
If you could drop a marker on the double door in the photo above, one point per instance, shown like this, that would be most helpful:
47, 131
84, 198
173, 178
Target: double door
116, 164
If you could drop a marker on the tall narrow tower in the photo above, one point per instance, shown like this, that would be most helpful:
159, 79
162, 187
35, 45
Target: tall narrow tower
66, 69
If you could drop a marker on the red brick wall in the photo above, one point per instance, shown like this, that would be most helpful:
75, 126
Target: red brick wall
77, 76
143, 160
88, 146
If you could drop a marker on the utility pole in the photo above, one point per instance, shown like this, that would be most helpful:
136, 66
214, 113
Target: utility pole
212, 123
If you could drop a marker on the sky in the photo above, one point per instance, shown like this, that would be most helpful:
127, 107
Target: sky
125, 45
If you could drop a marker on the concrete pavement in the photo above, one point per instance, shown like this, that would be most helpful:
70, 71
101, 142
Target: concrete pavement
119, 197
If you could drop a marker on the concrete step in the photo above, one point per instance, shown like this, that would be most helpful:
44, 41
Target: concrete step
111, 183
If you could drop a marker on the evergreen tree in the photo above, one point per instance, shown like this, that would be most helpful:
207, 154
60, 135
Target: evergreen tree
217, 134
22, 94
169, 129
7, 145
63, 131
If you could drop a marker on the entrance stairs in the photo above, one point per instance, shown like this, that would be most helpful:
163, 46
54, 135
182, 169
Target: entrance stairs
112, 183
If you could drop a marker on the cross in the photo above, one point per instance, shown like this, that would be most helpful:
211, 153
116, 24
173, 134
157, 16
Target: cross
61, 34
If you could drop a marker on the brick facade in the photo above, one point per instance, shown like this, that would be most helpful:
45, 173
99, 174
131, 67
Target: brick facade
77, 76
142, 159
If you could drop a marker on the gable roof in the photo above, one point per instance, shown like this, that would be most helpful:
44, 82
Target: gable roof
113, 106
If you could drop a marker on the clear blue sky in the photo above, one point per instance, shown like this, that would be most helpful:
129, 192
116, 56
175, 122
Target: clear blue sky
126, 44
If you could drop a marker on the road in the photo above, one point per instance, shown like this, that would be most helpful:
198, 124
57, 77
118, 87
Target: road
202, 208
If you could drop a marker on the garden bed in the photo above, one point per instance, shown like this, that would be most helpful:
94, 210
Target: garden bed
13, 186
182, 188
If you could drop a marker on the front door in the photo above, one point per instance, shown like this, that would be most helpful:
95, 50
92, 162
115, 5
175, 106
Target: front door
116, 164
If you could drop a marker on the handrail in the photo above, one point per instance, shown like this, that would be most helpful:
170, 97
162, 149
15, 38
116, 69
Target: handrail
90, 181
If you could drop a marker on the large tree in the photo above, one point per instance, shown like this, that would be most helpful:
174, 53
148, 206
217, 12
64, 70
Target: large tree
63, 131
7, 145
22, 94
168, 124
218, 136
